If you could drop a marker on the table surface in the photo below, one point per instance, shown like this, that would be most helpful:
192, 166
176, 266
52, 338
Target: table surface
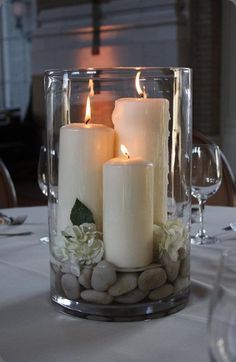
33, 330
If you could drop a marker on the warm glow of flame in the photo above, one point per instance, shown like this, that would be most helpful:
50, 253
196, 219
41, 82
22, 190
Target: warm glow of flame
88, 104
91, 88
137, 83
88, 111
140, 91
124, 151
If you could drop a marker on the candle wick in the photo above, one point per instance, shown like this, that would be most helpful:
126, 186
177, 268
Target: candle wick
87, 121
144, 94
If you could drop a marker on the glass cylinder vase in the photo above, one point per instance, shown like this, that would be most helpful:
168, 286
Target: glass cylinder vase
119, 155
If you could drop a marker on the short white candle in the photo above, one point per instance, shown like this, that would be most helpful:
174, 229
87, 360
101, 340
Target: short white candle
141, 124
128, 212
82, 151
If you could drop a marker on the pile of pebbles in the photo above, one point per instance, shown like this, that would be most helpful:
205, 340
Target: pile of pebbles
105, 284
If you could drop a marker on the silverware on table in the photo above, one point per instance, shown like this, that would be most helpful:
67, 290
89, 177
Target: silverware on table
8, 225
9, 220
20, 233
231, 226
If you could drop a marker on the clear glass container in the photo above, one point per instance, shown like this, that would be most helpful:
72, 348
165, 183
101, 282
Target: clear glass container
119, 155
222, 310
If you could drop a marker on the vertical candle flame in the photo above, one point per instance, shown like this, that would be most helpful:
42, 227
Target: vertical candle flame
88, 104
124, 151
88, 111
141, 91
91, 88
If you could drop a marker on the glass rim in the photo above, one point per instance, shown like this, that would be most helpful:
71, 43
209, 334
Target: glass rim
92, 71
214, 145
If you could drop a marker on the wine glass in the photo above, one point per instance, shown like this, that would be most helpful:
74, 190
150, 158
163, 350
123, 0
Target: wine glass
222, 311
42, 179
206, 180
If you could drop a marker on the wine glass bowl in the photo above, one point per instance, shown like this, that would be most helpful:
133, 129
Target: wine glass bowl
206, 180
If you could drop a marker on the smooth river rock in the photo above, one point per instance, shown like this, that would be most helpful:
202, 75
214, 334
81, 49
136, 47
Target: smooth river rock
181, 283
125, 283
70, 286
172, 270
184, 269
171, 267
103, 276
164, 258
85, 277
134, 296
93, 296
138, 269
182, 253
65, 268
152, 279
162, 292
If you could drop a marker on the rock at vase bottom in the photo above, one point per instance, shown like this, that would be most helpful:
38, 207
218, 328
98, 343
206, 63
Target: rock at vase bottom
106, 284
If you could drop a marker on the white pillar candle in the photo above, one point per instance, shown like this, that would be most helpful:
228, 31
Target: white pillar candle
142, 126
82, 151
128, 212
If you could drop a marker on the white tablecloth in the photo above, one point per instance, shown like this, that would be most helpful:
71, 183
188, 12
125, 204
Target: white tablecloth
32, 330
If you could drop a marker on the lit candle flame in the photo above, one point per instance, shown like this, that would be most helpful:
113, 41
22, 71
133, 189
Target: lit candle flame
88, 104
124, 151
88, 111
91, 88
141, 91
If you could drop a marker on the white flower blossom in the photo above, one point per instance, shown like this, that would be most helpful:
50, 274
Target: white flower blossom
80, 245
169, 237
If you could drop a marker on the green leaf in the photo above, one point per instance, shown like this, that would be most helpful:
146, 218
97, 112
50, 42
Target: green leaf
80, 214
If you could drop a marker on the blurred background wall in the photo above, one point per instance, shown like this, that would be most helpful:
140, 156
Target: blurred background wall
39, 34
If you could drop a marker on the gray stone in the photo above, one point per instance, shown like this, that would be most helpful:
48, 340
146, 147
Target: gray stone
70, 286
181, 283
125, 283
134, 296
162, 292
184, 270
171, 267
182, 253
152, 279
164, 258
65, 268
85, 277
172, 270
139, 269
103, 276
94, 296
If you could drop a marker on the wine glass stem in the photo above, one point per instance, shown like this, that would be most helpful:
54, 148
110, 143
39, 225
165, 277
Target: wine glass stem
202, 231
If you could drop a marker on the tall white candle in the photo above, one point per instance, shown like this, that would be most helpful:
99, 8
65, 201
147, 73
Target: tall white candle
82, 151
142, 125
128, 212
